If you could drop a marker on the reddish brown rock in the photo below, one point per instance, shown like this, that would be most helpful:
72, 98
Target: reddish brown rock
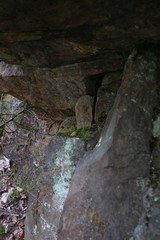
47, 53
84, 111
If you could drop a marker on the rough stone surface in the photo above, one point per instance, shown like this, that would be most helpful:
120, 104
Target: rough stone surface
67, 124
109, 193
105, 101
112, 81
46, 53
46, 203
84, 111
53, 129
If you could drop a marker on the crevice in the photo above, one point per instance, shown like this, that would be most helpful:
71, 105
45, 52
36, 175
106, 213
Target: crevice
152, 146
93, 83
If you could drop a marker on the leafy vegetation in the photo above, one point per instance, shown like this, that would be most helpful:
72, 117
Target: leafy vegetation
16, 195
24, 184
83, 132
67, 133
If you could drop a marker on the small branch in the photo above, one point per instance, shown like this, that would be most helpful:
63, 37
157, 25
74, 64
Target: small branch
11, 119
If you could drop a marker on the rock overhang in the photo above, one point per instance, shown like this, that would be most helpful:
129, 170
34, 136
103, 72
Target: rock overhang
57, 45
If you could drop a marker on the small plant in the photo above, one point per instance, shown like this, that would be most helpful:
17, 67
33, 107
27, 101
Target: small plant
67, 133
16, 195
100, 116
2, 230
24, 184
84, 133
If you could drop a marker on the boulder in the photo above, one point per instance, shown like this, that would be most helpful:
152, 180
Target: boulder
84, 111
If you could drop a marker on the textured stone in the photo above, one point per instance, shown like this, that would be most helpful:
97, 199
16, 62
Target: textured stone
46, 203
53, 129
107, 193
105, 101
84, 111
112, 81
156, 156
47, 53
67, 124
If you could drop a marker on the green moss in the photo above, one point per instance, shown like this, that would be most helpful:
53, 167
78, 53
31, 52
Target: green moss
2, 230
16, 195
24, 184
1, 132
83, 132
100, 115
67, 133
28, 105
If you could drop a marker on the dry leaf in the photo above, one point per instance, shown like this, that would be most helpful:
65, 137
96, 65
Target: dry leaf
14, 220
6, 195
4, 163
11, 237
18, 233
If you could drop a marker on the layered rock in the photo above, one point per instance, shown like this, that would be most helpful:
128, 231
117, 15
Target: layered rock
48, 49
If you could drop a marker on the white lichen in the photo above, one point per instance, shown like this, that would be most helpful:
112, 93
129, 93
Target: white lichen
65, 169
46, 226
156, 127
133, 100
35, 230
142, 183
47, 205
99, 142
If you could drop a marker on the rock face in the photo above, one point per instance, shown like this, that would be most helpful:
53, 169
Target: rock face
56, 54
46, 54
108, 197
46, 205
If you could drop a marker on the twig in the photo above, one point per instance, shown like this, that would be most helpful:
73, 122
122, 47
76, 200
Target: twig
11, 119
